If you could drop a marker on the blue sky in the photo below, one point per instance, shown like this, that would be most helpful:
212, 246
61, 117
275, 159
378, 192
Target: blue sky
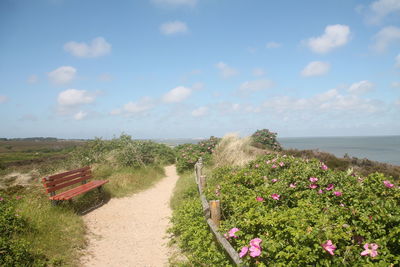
195, 68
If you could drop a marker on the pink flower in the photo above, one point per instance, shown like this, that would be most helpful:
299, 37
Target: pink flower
273, 166
320, 191
255, 251
313, 186
232, 232
259, 199
281, 164
243, 252
313, 179
257, 165
337, 193
1, 199
388, 184
324, 167
275, 196
255, 242
268, 161
342, 205
329, 247
293, 185
370, 251
226, 236
274, 180
18, 197
330, 187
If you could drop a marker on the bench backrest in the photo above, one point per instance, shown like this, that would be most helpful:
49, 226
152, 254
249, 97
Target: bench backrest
65, 179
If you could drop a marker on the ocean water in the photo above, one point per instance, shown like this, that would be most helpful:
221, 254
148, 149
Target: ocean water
379, 148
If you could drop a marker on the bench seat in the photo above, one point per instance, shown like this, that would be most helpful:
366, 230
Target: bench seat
78, 190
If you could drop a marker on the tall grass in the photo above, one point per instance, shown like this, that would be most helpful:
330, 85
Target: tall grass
235, 151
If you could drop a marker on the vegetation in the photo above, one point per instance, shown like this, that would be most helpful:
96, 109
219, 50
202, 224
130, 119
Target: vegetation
266, 140
49, 235
188, 154
285, 210
298, 207
190, 229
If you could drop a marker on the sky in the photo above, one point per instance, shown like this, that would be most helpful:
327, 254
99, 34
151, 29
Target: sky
196, 68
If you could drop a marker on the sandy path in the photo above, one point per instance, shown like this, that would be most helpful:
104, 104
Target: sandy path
130, 231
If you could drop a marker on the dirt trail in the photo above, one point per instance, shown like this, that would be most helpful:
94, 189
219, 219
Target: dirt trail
130, 231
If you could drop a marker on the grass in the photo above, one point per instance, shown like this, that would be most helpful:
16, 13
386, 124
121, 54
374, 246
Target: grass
235, 151
126, 181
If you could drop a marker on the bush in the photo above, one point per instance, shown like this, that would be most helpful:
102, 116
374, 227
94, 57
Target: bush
297, 206
14, 249
188, 154
190, 228
125, 152
266, 140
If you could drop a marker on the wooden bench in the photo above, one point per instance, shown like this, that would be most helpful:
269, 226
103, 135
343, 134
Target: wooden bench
70, 179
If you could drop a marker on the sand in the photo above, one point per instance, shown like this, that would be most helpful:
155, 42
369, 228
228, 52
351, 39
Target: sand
131, 231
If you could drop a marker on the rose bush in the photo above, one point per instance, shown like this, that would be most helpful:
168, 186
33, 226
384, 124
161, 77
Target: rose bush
266, 140
307, 214
188, 154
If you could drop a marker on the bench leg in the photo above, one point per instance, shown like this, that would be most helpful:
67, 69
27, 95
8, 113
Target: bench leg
100, 189
54, 202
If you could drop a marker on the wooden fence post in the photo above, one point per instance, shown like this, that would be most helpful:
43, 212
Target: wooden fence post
215, 210
203, 182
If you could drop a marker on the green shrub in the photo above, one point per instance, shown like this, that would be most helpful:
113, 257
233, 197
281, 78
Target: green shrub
294, 226
266, 140
188, 154
14, 249
190, 228
125, 152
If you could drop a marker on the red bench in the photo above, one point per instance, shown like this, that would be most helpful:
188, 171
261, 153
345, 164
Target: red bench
70, 179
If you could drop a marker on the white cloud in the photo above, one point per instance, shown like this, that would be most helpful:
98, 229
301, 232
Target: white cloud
329, 101
258, 72
177, 95
315, 68
199, 112
173, 27
198, 86
361, 87
134, 108
398, 61
175, 3
80, 115
225, 70
381, 8
3, 99
273, 45
105, 77
254, 86
32, 79
74, 97
395, 85
62, 75
385, 37
334, 36
98, 47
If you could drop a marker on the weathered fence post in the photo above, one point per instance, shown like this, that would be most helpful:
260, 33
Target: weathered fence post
215, 209
203, 182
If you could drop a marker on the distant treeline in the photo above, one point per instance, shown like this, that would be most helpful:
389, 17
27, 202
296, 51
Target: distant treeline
43, 139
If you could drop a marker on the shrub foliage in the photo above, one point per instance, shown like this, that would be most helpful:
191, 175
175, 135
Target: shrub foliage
188, 154
307, 214
266, 140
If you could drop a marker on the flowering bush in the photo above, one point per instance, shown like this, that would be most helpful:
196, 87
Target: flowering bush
266, 140
308, 214
188, 154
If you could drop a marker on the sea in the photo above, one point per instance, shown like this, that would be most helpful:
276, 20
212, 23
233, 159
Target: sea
378, 148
